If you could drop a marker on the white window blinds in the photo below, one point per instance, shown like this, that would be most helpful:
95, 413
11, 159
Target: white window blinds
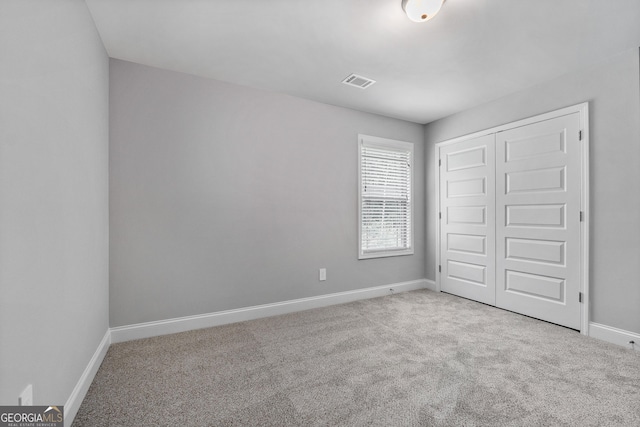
385, 197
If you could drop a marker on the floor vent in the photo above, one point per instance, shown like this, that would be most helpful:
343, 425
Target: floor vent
358, 81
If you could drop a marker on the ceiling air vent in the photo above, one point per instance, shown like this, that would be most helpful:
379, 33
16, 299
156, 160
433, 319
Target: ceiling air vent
358, 81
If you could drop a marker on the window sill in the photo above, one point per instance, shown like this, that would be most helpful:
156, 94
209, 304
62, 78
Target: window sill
384, 254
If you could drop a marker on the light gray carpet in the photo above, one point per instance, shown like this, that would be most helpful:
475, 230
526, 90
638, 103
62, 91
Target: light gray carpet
412, 359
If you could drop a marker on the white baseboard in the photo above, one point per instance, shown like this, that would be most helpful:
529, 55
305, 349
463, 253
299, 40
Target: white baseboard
163, 327
182, 324
614, 335
430, 284
80, 390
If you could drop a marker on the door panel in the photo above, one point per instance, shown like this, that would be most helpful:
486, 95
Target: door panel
467, 224
533, 285
467, 159
527, 216
467, 187
527, 148
538, 220
466, 215
465, 272
534, 250
536, 180
467, 243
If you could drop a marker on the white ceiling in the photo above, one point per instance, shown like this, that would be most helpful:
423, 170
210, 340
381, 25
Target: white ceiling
474, 51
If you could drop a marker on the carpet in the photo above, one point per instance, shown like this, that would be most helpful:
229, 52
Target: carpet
411, 359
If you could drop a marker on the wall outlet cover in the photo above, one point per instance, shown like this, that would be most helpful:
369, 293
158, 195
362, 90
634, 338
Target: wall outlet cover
26, 397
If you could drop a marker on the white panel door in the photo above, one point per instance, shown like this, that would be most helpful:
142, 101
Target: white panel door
538, 192
467, 219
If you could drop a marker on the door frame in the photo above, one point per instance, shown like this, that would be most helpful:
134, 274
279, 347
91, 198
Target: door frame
583, 112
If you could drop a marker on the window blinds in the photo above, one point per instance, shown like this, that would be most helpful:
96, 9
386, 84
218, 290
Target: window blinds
385, 211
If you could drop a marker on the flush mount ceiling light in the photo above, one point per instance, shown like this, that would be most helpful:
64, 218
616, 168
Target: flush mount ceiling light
421, 10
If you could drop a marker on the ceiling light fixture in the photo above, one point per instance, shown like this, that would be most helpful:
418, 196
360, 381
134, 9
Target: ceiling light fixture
421, 10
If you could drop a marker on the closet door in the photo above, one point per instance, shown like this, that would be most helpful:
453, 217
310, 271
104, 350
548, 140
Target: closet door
467, 219
538, 220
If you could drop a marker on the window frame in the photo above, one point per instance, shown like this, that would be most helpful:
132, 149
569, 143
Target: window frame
391, 145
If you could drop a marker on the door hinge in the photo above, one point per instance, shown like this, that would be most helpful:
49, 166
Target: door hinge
579, 135
579, 296
439, 162
439, 269
440, 215
581, 216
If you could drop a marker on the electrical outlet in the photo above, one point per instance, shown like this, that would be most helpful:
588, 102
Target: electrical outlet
323, 274
26, 397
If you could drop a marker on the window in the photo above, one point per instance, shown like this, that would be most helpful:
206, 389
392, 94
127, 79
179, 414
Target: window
385, 202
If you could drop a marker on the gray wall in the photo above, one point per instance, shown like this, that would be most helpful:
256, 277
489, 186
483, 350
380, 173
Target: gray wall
224, 196
53, 197
612, 90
